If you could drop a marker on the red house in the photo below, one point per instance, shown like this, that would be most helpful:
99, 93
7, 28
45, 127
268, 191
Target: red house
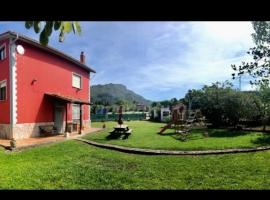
40, 86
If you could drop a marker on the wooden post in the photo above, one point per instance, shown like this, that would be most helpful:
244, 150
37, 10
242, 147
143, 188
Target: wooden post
66, 129
81, 121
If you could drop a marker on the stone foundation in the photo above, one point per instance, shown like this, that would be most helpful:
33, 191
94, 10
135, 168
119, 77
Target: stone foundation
5, 132
27, 130
87, 123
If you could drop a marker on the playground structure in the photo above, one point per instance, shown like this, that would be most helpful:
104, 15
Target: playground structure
182, 120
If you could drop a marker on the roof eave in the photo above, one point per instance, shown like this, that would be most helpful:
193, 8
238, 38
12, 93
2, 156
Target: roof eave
46, 48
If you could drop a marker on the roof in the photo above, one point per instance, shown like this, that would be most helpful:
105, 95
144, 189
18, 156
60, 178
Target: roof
46, 48
66, 98
178, 106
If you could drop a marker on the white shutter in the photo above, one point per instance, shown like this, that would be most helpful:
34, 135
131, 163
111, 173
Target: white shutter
76, 81
75, 111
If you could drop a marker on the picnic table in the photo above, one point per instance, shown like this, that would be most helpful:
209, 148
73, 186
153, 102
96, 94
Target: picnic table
121, 129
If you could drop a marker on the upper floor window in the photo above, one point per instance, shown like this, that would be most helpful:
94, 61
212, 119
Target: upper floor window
76, 81
3, 90
3, 52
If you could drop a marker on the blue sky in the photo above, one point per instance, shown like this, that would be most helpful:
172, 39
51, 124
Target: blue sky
158, 60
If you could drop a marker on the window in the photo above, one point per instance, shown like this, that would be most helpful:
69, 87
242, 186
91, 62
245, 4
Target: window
76, 81
3, 52
3, 90
75, 112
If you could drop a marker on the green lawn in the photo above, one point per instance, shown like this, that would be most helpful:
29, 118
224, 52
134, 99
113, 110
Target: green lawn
145, 135
75, 165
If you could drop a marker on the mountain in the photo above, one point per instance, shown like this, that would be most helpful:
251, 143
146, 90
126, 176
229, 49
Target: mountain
112, 93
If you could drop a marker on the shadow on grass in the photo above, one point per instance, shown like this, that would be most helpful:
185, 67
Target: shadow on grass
168, 133
226, 133
196, 134
262, 141
116, 136
113, 136
193, 135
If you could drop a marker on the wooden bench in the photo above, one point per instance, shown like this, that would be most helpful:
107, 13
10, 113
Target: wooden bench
129, 131
47, 129
126, 132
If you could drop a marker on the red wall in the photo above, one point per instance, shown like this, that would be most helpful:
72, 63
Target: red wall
53, 74
4, 74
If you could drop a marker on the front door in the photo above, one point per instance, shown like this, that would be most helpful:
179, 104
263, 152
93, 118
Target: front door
59, 118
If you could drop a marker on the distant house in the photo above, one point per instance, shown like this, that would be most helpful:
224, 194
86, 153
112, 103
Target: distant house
40, 86
164, 112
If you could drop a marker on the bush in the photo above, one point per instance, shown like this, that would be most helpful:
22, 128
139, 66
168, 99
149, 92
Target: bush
167, 119
224, 106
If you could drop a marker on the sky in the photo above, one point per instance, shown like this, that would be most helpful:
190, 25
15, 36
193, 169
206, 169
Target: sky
158, 60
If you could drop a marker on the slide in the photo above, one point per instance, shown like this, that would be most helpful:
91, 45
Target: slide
165, 127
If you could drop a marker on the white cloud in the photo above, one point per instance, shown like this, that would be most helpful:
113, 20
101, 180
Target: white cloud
210, 49
159, 57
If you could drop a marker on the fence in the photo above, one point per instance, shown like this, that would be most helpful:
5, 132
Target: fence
114, 117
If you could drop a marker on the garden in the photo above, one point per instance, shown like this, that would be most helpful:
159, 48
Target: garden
145, 135
232, 119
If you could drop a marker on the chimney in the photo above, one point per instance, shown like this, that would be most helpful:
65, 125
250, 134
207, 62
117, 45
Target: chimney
82, 58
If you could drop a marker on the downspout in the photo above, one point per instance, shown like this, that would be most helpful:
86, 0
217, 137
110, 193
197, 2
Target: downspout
12, 42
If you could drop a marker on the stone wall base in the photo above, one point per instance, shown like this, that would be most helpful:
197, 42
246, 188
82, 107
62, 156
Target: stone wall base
27, 130
5, 132
87, 123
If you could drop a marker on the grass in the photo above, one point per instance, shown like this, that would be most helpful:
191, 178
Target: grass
145, 135
75, 165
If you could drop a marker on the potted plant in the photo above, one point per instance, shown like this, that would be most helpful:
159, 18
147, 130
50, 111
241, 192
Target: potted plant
13, 143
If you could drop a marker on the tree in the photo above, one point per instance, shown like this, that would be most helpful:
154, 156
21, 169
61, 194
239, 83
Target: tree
154, 104
264, 94
165, 103
45, 29
259, 68
193, 96
211, 103
222, 105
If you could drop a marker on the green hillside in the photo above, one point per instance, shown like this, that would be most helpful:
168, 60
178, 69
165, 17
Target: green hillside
110, 94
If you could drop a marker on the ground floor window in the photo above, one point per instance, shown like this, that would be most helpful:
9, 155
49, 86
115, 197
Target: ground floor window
75, 112
3, 90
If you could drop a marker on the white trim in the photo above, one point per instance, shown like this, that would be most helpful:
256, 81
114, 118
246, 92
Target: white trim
89, 97
5, 80
10, 89
73, 73
13, 83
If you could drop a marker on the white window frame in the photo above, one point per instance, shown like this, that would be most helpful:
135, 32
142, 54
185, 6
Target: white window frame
75, 74
5, 51
6, 89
